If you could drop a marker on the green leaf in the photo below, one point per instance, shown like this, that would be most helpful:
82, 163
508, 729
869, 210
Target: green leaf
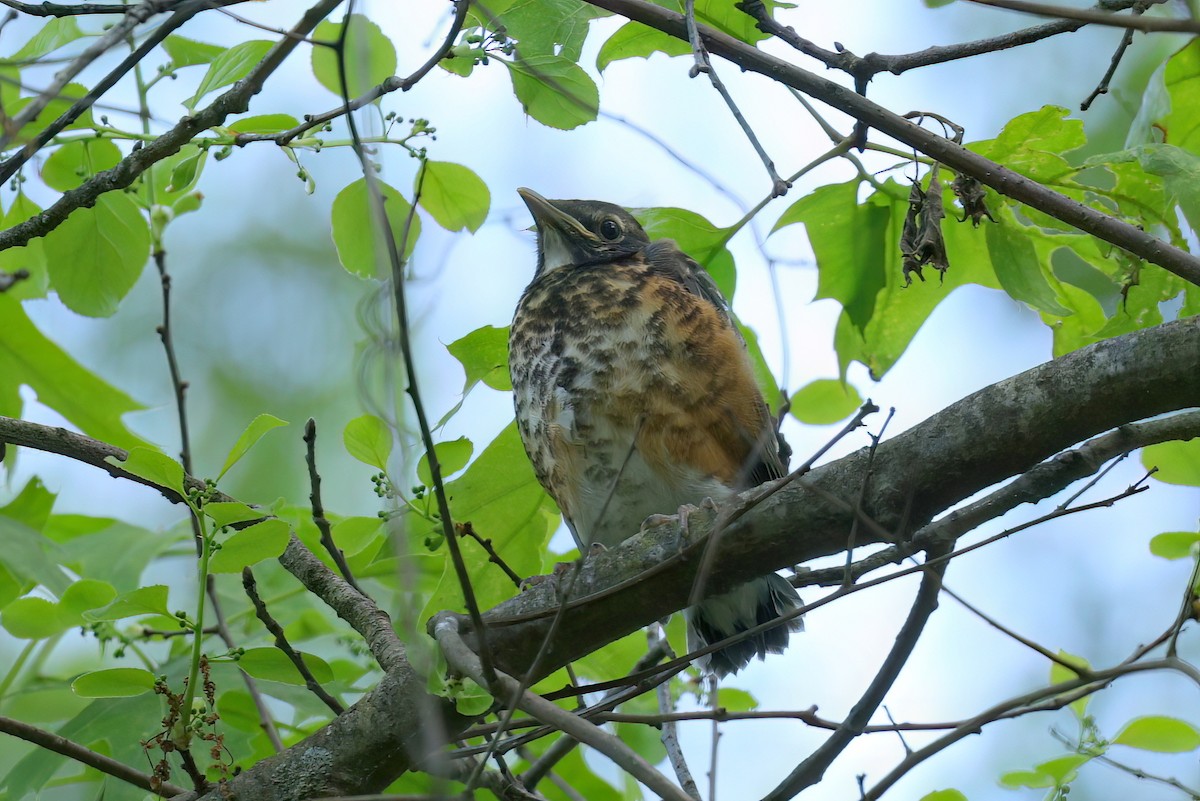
186, 52
60, 105
1177, 462
1063, 769
452, 457
254, 432
30, 257
850, 241
28, 358
370, 57
1159, 733
1017, 266
900, 311
635, 40
83, 595
1017, 779
454, 195
228, 67
554, 91
360, 243
114, 683
186, 172
1060, 673
249, 546
735, 700
31, 619
31, 558
227, 513
768, 385
154, 466
53, 35
825, 401
265, 124
31, 506
469, 698
272, 665
944, 795
1033, 144
698, 238
96, 255
502, 498
483, 354
354, 534
369, 440
150, 600
74, 162
1182, 82
1174, 544
542, 27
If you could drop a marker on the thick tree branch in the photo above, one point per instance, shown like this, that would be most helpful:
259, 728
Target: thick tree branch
1003, 180
983, 439
992, 435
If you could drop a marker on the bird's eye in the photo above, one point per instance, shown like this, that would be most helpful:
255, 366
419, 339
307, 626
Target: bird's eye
610, 229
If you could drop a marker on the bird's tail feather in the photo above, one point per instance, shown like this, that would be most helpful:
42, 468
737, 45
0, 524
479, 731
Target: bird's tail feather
721, 616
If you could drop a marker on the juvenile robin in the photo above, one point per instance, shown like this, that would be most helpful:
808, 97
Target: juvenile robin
635, 396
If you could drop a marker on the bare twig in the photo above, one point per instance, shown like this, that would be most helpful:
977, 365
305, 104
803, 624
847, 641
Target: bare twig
468, 530
864, 68
281, 642
1137, 23
1003, 180
1058, 695
86, 756
779, 186
392, 84
812, 768
464, 661
670, 735
1102, 87
234, 101
61, 10
318, 509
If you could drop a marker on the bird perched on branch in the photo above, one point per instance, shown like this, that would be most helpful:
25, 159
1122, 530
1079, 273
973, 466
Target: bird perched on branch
635, 396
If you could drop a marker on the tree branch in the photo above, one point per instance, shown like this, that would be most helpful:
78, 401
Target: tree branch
996, 433
86, 756
1003, 180
234, 101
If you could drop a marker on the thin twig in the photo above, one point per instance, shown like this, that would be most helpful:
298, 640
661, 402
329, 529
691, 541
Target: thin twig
86, 756
389, 85
468, 530
1102, 87
670, 734
465, 661
318, 509
233, 101
542, 766
779, 186
1102, 225
281, 642
1146, 24
812, 768
1056, 695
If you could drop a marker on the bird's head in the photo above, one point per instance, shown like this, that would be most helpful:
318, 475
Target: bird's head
574, 233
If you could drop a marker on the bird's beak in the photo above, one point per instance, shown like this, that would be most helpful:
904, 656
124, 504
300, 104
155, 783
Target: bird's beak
549, 218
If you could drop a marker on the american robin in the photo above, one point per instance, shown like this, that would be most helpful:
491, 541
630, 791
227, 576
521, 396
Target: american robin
635, 396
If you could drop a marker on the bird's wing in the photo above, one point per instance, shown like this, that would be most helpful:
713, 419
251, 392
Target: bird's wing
755, 444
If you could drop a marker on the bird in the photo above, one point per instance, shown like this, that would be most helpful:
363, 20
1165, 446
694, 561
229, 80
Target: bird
635, 396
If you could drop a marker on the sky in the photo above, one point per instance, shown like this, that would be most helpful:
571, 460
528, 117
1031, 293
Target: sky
1084, 584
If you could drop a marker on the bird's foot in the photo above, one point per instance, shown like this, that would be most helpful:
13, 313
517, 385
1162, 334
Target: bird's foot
683, 515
